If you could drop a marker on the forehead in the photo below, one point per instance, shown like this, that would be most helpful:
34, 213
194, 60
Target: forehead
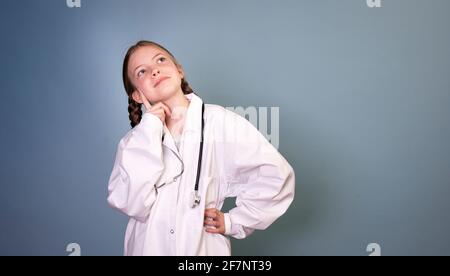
144, 55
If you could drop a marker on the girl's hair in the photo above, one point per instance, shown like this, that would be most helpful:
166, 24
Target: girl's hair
134, 108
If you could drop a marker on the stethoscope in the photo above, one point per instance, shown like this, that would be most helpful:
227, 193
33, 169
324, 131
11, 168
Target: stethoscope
195, 197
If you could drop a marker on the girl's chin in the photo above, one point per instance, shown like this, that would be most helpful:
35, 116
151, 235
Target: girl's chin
165, 94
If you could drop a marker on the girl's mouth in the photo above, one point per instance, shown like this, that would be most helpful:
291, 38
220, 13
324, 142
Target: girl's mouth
161, 80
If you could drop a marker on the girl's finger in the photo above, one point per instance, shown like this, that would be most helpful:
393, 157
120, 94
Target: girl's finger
166, 109
211, 223
158, 111
162, 106
210, 215
145, 101
214, 230
211, 210
157, 108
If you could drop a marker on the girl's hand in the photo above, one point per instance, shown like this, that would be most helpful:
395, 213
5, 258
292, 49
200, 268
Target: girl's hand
215, 218
159, 109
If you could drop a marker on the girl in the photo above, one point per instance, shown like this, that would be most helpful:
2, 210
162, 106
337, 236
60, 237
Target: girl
181, 159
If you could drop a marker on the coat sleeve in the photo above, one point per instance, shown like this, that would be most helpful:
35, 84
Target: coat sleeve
137, 167
258, 176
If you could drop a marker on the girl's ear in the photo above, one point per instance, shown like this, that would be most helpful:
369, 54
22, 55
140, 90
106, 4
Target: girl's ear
136, 97
180, 70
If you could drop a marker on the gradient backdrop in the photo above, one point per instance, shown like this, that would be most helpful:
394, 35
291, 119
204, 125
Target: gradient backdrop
364, 97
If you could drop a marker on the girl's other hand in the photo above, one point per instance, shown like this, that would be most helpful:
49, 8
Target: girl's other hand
159, 109
214, 221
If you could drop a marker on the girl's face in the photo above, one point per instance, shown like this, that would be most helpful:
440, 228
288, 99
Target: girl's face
152, 71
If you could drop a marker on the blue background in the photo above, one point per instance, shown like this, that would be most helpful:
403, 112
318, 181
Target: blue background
364, 98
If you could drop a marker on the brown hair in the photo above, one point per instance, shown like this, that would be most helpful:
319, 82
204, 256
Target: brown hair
134, 108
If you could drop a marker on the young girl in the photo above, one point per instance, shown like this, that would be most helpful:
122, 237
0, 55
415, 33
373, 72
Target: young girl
181, 159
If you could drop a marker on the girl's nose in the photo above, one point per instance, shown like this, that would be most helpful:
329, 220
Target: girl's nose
155, 72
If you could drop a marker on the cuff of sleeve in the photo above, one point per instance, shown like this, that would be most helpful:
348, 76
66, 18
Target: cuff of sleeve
150, 121
153, 119
227, 220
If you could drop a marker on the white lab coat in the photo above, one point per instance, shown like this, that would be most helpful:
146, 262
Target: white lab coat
237, 161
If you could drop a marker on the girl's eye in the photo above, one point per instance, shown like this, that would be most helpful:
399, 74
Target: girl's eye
161, 59
140, 73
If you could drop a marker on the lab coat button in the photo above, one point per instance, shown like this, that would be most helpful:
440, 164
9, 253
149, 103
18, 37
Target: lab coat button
171, 231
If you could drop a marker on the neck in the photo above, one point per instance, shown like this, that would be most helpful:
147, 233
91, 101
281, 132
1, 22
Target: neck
178, 105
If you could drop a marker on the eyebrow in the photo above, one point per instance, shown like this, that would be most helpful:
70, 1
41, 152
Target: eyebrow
134, 71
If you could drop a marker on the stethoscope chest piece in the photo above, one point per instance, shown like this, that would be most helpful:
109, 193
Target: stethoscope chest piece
195, 199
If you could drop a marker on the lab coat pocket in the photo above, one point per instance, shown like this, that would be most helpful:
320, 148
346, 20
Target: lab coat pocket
213, 244
211, 188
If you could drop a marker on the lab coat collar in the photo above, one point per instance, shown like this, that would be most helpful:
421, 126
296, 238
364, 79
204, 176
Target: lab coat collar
194, 113
192, 122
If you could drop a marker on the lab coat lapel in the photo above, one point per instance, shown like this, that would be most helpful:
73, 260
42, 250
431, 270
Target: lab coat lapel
169, 141
191, 132
192, 126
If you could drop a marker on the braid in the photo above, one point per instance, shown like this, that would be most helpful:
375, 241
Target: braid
185, 87
135, 112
